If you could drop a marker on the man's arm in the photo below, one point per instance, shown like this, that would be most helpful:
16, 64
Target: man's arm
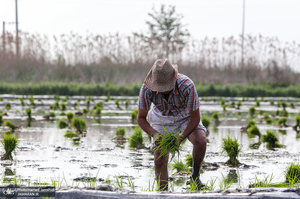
144, 124
195, 120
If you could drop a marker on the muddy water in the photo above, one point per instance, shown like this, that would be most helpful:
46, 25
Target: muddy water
45, 155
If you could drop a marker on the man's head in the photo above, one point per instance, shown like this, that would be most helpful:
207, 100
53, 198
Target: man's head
162, 76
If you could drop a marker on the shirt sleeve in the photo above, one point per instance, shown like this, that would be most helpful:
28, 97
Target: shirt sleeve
192, 97
145, 98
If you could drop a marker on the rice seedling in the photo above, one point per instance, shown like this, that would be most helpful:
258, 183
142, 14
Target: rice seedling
88, 103
134, 114
10, 144
63, 107
70, 116
31, 100
269, 121
10, 125
55, 106
70, 134
239, 104
99, 104
215, 115
252, 111
205, 121
127, 104
258, 103
29, 117
179, 167
1, 119
253, 131
117, 102
79, 124
62, 124
7, 106
232, 148
282, 121
56, 98
120, 132
22, 101
52, 115
136, 139
292, 174
75, 105
266, 182
98, 112
168, 143
189, 160
225, 183
271, 139
284, 105
272, 103
292, 105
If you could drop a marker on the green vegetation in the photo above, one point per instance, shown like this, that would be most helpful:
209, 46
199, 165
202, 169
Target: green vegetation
271, 139
7, 106
98, 112
136, 139
134, 114
205, 121
168, 143
79, 124
179, 166
70, 134
120, 132
232, 148
292, 174
71, 89
253, 131
189, 160
1, 119
70, 116
10, 143
252, 111
282, 121
62, 124
10, 125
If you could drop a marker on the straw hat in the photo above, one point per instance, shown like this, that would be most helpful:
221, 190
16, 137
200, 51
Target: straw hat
162, 76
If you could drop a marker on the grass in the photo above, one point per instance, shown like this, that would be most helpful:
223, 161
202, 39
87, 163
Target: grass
292, 174
232, 149
10, 144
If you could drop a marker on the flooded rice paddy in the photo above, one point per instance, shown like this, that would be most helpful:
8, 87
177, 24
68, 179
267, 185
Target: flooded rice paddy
44, 155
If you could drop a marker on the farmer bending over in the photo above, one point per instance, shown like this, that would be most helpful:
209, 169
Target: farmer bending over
176, 105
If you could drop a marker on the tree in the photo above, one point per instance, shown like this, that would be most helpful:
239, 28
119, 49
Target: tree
167, 33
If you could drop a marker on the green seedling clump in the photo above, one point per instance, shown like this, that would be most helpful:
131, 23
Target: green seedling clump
10, 125
7, 106
79, 124
70, 116
168, 142
63, 107
120, 132
282, 121
70, 134
189, 160
232, 148
98, 112
252, 111
253, 131
292, 174
179, 166
10, 143
62, 124
205, 122
136, 139
1, 119
134, 114
271, 139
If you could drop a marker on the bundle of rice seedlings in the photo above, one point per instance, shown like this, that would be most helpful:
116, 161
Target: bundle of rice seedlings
98, 112
292, 174
120, 132
1, 119
70, 116
205, 121
10, 125
134, 114
252, 111
168, 142
253, 131
62, 124
10, 143
79, 124
7, 106
180, 167
282, 121
70, 134
271, 139
232, 148
136, 139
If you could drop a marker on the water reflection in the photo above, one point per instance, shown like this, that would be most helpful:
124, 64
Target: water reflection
232, 176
